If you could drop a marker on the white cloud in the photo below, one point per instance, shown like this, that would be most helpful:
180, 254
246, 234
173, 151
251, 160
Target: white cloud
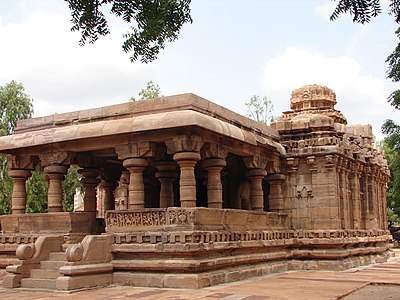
41, 52
361, 98
325, 10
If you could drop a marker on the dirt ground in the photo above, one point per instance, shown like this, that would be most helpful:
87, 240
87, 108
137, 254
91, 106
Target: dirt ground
374, 292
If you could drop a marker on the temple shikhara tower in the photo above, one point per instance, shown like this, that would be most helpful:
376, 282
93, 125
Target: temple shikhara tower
181, 192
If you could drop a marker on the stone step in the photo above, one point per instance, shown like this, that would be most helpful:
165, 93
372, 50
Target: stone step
45, 274
57, 256
38, 283
51, 265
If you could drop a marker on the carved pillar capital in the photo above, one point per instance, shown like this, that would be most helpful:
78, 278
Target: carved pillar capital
214, 150
292, 164
139, 149
330, 161
256, 161
184, 143
26, 162
56, 157
311, 161
86, 161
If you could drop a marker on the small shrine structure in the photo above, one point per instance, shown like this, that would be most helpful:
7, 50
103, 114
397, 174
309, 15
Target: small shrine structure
181, 192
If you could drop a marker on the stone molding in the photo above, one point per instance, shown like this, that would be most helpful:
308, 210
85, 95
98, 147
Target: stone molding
286, 237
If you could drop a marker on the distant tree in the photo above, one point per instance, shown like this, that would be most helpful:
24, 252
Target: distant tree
15, 104
362, 11
154, 22
393, 193
70, 185
151, 91
260, 109
36, 188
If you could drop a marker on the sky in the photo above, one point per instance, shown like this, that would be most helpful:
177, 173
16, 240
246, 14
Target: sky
232, 51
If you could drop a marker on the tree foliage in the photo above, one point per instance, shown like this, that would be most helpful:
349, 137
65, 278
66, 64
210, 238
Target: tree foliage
362, 11
393, 194
36, 189
70, 185
150, 92
15, 104
154, 22
260, 109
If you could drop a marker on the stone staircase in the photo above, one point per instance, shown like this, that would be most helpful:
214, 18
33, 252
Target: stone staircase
45, 277
53, 265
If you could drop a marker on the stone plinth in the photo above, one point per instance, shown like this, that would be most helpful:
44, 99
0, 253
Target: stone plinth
61, 222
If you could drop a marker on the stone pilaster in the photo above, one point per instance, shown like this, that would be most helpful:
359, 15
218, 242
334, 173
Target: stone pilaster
136, 166
214, 185
187, 182
354, 179
166, 175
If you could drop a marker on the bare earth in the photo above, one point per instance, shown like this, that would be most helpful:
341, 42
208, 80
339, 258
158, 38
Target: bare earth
373, 292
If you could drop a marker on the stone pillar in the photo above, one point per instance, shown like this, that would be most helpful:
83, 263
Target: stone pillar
214, 186
18, 200
106, 190
166, 174
277, 201
20, 167
90, 182
256, 177
55, 174
136, 167
187, 182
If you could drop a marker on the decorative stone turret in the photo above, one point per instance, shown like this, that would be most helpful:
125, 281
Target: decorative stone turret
326, 155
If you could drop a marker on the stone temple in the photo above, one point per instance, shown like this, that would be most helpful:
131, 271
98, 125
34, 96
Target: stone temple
181, 192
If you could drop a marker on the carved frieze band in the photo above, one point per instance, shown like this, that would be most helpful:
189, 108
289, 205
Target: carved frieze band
204, 236
150, 218
173, 216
